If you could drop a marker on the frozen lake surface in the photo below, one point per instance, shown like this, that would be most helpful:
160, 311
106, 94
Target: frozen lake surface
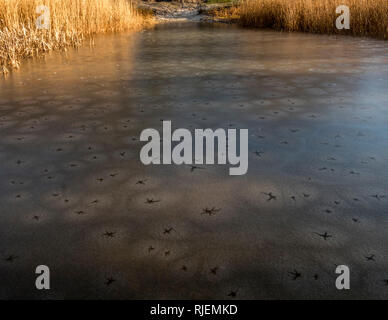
73, 192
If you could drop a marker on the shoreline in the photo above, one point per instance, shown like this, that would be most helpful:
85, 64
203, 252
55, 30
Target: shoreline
193, 11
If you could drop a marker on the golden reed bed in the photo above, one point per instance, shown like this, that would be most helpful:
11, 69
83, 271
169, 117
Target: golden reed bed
367, 17
71, 21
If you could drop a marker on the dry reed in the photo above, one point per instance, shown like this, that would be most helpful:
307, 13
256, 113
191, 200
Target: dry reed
71, 21
367, 17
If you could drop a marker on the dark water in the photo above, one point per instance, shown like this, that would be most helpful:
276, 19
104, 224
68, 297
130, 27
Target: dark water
73, 192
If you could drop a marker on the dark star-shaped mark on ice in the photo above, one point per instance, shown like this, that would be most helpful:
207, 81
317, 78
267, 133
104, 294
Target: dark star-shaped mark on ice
214, 270
109, 234
210, 211
370, 257
325, 235
11, 258
232, 294
168, 230
295, 274
151, 201
109, 281
378, 197
270, 196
